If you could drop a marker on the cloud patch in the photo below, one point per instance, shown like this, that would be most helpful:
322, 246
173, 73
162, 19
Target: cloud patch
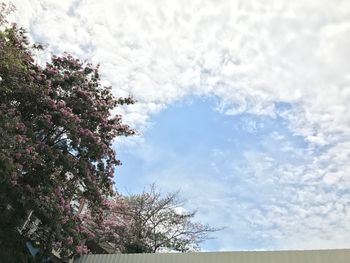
248, 53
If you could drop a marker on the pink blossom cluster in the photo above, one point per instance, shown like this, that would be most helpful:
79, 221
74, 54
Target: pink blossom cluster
21, 127
82, 249
51, 71
21, 138
68, 114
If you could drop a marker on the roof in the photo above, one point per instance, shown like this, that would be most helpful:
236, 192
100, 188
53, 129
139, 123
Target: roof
298, 256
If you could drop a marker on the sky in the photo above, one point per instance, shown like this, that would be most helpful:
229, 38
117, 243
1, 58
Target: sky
241, 105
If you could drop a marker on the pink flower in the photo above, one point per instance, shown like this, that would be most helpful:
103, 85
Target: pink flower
69, 240
65, 220
67, 207
29, 150
21, 138
21, 127
61, 104
82, 249
52, 103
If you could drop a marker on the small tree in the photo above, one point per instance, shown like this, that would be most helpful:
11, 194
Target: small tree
55, 147
150, 222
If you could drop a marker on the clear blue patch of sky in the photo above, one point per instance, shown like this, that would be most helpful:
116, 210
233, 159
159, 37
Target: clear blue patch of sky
193, 127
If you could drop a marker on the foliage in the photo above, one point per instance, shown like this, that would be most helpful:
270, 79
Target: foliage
150, 222
55, 147
112, 225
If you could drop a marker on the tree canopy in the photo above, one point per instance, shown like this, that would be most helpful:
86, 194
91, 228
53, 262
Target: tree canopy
149, 222
55, 146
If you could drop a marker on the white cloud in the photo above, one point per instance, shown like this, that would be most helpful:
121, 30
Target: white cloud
272, 204
252, 55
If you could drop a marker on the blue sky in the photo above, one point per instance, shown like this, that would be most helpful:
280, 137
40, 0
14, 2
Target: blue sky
193, 147
242, 105
195, 130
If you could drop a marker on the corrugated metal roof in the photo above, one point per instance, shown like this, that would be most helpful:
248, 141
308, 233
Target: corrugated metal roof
302, 256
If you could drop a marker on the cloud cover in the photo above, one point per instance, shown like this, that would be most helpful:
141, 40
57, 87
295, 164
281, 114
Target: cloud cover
250, 54
253, 56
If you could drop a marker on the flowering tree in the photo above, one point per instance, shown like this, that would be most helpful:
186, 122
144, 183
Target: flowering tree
159, 222
55, 147
148, 223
